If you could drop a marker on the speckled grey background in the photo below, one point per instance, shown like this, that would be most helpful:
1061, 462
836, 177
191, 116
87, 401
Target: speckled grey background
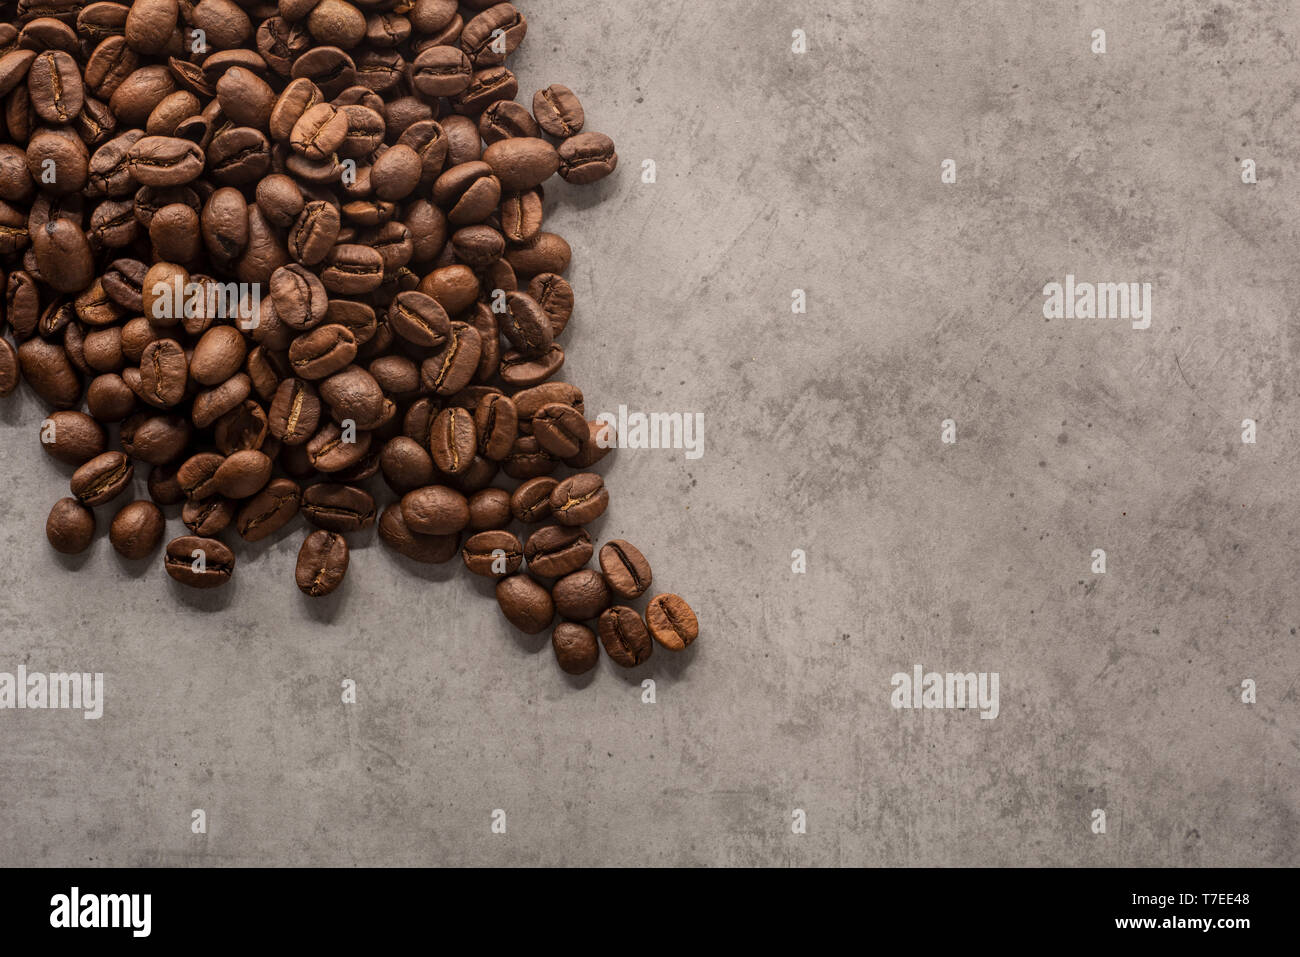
776, 172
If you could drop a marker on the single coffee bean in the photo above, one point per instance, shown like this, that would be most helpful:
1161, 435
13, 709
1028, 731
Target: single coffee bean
218, 355
338, 508
199, 562
554, 294
441, 71
528, 460
435, 510
301, 301
505, 119
581, 595
196, 475
523, 371
586, 158
559, 112
164, 372
452, 367
102, 479
671, 621
560, 429
269, 510
54, 87
322, 563
522, 162
322, 352
426, 549
468, 192
149, 25
319, 132
531, 501
419, 319
522, 216
625, 569
395, 173
493, 554
295, 412
242, 475
526, 324
165, 161
575, 646
406, 464
154, 438
352, 270
489, 509
624, 635
63, 255
210, 517
70, 527
555, 551
525, 603
547, 252
354, 394
280, 200
452, 441
328, 452
72, 437
496, 422
579, 499
493, 35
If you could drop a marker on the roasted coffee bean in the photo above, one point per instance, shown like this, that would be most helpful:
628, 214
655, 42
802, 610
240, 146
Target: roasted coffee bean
586, 158
102, 479
521, 217
242, 474
427, 549
547, 252
218, 355
525, 603
196, 475
528, 460
522, 162
579, 499
441, 71
496, 422
529, 401
199, 562
505, 119
295, 412
488, 509
72, 437
624, 635
493, 554
322, 563
322, 352
523, 371
70, 527
328, 452
406, 464
581, 595
314, 232
575, 646
154, 438
554, 294
435, 510
352, 270
452, 367
354, 394
555, 551
469, 192
269, 510
338, 508
210, 517
164, 372
526, 324
165, 161
63, 255
420, 320
671, 621
494, 34
531, 501
558, 111
625, 569
54, 87
452, 441
560, 429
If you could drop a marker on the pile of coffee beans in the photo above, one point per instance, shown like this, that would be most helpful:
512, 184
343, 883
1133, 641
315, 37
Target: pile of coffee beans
271, 251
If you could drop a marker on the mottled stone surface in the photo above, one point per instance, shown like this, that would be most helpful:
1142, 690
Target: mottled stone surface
778, 172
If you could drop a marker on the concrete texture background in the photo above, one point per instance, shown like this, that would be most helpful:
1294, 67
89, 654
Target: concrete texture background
775, 172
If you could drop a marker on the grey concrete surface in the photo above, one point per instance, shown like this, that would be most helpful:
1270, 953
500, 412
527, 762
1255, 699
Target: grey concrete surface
776, 172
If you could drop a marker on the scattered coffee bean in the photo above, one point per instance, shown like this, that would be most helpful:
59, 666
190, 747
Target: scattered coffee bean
322, 563
671, 621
